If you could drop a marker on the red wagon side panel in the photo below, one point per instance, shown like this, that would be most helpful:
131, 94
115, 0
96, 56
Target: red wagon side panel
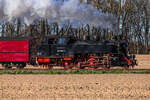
14, 51
14, 57
14, 46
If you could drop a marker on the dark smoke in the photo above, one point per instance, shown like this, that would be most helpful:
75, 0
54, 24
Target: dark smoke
70, 11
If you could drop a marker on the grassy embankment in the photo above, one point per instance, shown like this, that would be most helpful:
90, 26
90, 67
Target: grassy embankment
75, 72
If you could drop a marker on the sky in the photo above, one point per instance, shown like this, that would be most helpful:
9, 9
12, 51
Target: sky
70, 11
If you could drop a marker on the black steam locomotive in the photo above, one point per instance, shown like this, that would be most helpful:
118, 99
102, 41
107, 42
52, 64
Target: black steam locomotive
70, 53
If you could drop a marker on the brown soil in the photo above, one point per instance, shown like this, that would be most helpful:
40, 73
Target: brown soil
143, 61
84, 87
70, 87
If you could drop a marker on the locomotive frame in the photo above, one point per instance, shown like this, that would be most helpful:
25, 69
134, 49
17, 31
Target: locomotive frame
93, 62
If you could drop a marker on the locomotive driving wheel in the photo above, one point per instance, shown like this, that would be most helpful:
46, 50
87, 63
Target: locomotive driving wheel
68, 66
93, 63
106, 63
79, 66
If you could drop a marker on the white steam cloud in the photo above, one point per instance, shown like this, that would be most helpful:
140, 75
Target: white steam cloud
56, 11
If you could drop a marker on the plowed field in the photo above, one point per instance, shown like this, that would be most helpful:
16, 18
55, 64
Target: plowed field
78, 87
143, 61
68, 87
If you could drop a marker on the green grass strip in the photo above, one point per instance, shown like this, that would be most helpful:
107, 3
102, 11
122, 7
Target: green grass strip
16, 72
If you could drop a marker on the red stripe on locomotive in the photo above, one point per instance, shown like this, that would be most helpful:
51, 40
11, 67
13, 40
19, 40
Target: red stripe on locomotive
48, 59
67, 58
44, 60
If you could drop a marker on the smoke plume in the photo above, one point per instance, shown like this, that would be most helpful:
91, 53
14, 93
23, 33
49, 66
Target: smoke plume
70, 11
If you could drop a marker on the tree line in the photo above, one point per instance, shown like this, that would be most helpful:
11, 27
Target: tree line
133, 20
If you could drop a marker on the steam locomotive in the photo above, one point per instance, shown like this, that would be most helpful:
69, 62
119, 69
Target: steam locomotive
67, 52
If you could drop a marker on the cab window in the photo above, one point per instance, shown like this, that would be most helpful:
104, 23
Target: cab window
62, 41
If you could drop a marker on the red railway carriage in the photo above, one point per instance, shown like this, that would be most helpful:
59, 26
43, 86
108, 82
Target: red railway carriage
14, 52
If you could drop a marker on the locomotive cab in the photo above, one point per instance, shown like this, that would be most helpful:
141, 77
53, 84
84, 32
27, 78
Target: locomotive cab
50, 45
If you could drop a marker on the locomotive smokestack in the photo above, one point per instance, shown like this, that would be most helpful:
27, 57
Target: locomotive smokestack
71, 11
